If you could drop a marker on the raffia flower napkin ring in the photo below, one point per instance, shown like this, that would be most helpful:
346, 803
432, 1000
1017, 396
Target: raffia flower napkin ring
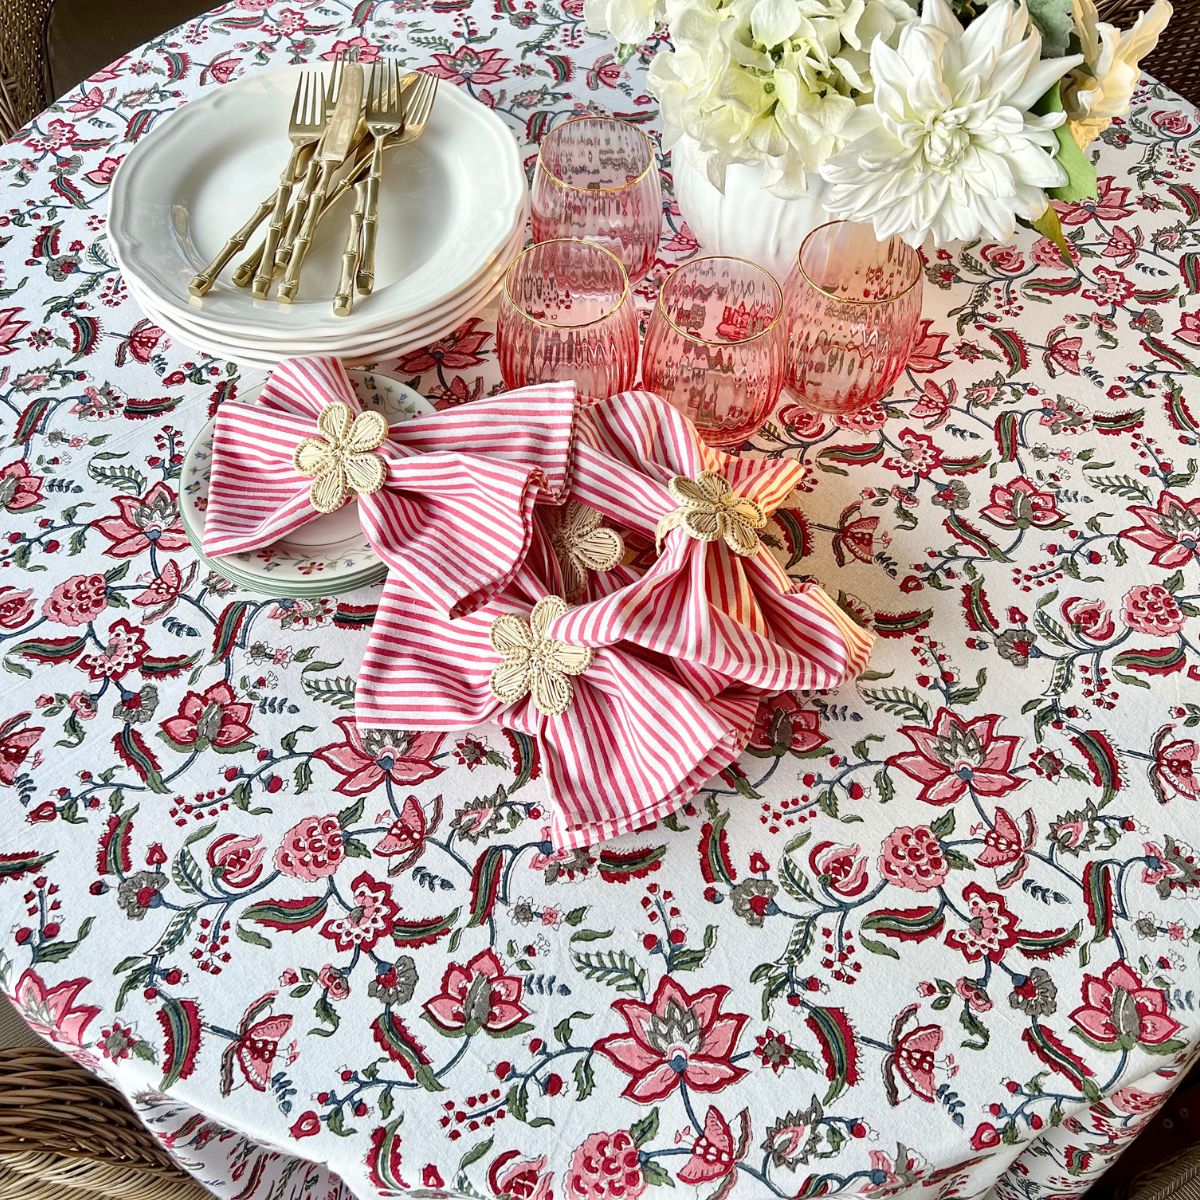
711, 511
582, 543
340, 459
533, 663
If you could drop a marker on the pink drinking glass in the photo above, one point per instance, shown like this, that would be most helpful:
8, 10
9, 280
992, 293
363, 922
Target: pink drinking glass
853, 315
715, 346
566, 313
597, 178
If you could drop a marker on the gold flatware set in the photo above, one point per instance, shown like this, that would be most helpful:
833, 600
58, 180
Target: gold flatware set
338, 132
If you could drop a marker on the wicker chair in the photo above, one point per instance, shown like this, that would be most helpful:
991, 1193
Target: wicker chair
64, 1135
25, 87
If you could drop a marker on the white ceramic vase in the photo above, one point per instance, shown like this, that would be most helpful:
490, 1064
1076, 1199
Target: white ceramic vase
745, 220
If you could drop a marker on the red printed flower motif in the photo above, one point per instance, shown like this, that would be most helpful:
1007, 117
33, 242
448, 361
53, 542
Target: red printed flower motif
124, 651
312, 849
714, 1153
404, 840
142, 522
102, 173
455, 352
842, 869
935, 403
162, 591
258, 1045
1189, 328
955, 755
1110, 287
372, 917
912, 857
1062, 352
468, 65
606, 1167
1005, 845
52, 1011
912, 1059
1150, 608
1019, 505
19, 487
10, 329
992, 929
928, 354
1008, 260
1111, 204
366, 757
16, 607
520, 1178
783, 723
1170, 530
676, 1038
919, 455
1089, 619
15, 745
214, 717
1123, 245
855, 537
77, 601
236, 861
479, 996
368, 52
1119, 1012
1176, 769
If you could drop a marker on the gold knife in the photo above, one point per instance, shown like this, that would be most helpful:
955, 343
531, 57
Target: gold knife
339, 137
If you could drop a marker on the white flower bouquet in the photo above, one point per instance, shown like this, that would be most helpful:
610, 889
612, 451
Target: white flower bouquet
954, 122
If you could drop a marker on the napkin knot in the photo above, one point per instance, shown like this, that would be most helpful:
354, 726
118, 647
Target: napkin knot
340, 458
533, 663
709, 510
582, 542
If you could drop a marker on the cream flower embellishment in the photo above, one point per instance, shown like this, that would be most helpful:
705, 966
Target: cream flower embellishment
710, 510
341, 460
534, 664
582, 543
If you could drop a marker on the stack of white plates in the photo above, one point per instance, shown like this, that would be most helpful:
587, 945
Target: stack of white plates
452, 213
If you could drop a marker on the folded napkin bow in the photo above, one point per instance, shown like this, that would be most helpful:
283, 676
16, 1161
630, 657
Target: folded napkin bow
447, 499
622, 741
715, 600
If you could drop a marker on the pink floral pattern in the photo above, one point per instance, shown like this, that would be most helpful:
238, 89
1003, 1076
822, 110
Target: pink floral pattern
932, 924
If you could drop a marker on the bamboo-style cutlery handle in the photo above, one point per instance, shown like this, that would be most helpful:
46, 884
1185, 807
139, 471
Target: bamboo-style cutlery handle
203, 282
343, 301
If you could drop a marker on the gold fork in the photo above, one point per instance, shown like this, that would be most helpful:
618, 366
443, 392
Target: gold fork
304, 130
391, 113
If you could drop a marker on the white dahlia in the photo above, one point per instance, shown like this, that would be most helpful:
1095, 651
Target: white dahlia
956, 151
629, 21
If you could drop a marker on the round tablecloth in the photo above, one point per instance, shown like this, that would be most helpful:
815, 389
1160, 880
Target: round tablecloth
935, 934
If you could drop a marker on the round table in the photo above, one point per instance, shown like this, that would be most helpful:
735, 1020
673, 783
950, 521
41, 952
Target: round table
935, 934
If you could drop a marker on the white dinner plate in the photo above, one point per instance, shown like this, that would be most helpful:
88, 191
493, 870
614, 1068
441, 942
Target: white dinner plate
330, 554
448, 203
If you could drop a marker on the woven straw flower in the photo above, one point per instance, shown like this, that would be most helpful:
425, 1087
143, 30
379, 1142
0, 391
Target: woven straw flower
341, 461
582, 543
710, 510
535, 664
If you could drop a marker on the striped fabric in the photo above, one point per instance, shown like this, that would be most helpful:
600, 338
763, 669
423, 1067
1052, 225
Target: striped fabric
455, 514
632, 747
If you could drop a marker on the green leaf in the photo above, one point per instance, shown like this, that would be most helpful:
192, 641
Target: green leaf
1048, 226
644, 1130
585, 1077
474, 1154
1055, 23
1081, 174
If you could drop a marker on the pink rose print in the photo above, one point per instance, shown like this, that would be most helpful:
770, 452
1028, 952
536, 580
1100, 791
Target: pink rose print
675, 1038
912, 857
15, 747
520, 1178
19, 487
236, 861
1176, 769
1046, 254
912, 1060
333, 981
368, 52
214, 717
1173, 121
52, 1011
993, 928
479, 996
372, 917
468, 65
313, 849
1119, 1012
1019, 505
1092, 620
124, 650
1008, 260
975, 998
842, 869
714, 1153
1170, 530
16, 607
142, 522
606, 1167
366, 757
955, 755
77, 601
1150, 608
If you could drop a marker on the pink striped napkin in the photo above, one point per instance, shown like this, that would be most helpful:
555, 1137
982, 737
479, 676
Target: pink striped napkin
454, 513
725, 617
611, 763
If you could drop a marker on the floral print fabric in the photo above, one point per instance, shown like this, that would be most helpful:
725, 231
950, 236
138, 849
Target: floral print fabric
935, 934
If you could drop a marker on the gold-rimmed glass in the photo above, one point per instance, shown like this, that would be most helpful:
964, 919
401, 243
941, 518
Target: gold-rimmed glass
566, 314
597, 178
853, 314
715, 346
